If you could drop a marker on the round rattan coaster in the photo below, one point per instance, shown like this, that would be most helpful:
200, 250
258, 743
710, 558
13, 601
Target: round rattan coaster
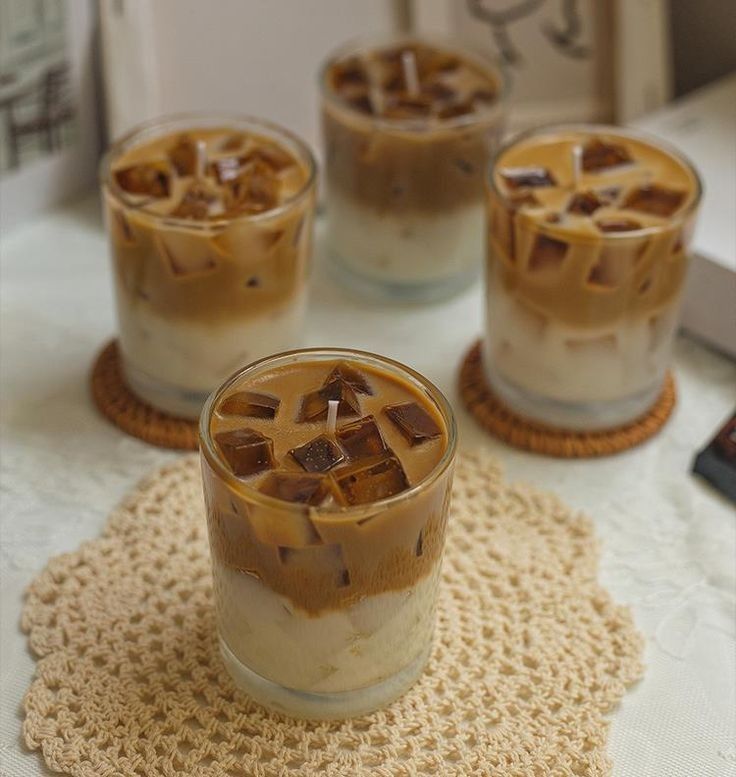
529, 655
121, 406
502, 422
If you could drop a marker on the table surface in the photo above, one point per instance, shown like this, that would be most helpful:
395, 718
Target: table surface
668, 542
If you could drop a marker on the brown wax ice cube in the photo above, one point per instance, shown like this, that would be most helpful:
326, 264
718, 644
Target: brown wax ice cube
183, 156
355, 379
200, 201
247, 451
251, 404
361, 103
610, 270
617, 225
150, 178
548, 254
439, 90
270, 155
255, 190
418, 107
361, 439
444, 63
318, 455
368, 480
584, 203
413, 421
296, 487
394, 83
183, 257
454, 111
315, 404
518, 177
600, 155
348, 75
654, 199
232, 143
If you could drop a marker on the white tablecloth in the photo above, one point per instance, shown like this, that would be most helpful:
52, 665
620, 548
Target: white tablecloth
668, 540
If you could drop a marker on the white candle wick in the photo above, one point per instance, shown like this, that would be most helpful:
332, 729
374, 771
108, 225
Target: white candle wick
201, 164
332, 405
375, 93
411, 76
577, 165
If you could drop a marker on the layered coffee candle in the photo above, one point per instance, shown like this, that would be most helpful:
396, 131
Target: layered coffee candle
327, 478
588, 235
408, 127
210, 227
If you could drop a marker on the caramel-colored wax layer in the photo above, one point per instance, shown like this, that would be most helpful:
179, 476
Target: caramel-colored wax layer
183, 243
311, 548
590, 250
395, 149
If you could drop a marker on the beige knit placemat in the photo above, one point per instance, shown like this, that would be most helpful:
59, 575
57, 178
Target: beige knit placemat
530, 653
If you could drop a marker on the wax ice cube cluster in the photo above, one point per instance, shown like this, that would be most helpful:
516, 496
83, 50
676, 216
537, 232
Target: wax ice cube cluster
598, 156
617, 194
350, 464
230, 176
446, 86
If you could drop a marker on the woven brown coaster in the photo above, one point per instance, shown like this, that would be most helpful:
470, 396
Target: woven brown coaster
530, 653
121, 406
495, 417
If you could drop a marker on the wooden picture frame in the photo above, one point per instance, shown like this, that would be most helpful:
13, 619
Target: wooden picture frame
616, 52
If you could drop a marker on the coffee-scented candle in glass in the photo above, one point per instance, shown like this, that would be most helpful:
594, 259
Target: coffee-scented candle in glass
588, 235
327, 478
408, 128
210, 227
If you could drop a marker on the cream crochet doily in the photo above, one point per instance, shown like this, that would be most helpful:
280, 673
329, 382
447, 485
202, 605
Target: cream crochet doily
530, 653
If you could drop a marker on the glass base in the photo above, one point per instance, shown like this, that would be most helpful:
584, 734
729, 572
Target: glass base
573, 416
401, 291
174, 401
321, 706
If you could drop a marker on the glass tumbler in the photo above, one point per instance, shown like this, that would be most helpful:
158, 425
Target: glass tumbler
409, 126
210, 222
326, 533
588, 234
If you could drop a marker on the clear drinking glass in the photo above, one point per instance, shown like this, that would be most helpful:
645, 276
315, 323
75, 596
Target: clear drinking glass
326, 610
588, 234
404, 167
210, 222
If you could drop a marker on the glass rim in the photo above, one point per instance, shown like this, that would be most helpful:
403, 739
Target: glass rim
612, 129
209, 452
170, 122
495, 68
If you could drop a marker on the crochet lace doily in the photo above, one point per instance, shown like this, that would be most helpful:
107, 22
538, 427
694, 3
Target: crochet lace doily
530, 653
